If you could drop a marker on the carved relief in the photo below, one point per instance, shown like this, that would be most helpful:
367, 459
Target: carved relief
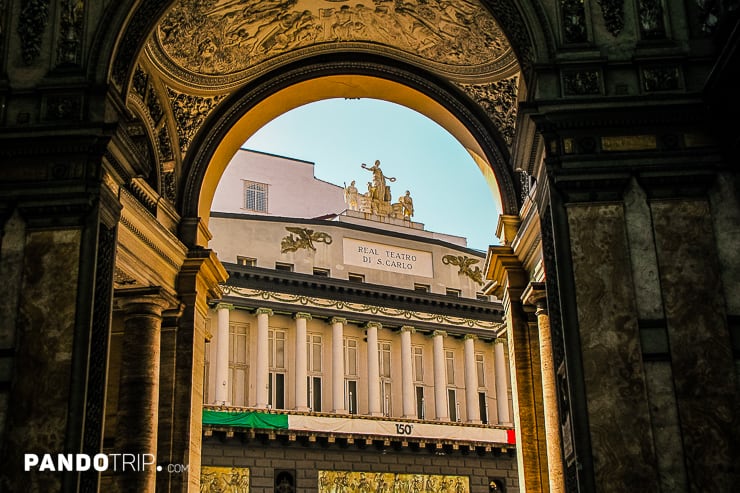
164, 144
304, 239
224, 479
71, 31
574, 21
331, 481
581, 83
657, 79
613, 13
63, 107
139, 82
651, 19
499, 99
222, 37
31, 26
464, 262
190, 112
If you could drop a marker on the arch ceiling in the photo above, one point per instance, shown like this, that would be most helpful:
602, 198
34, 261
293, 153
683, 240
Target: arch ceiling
203, 51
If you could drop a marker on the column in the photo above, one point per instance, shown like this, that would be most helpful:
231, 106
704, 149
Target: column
440, 377
263, 356
222, 354
337, 364
373, 370
407, 375
301, 362
138, 398
502, 386
471, 380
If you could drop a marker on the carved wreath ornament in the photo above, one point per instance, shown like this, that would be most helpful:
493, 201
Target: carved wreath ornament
464, 262
305, 239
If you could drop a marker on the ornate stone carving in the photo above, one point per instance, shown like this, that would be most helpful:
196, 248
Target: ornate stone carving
190, 112
227, 36
651, 19
140, 81
574, 21
613, 13
70, 34
500, 101
378, 198
464, 262
305, 239
222, 479
164, 144
31, 26
63, 107
153, 105
665, 78
581, 83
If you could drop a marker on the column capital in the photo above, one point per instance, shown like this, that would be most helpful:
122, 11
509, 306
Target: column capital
157, 298
439, 333
305, 315
338, 320
500, 340
377, 325
470, 336
224, 306
408, 328
264, 311
536, 294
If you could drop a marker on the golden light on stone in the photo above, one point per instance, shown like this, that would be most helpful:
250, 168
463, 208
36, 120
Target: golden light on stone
334, 481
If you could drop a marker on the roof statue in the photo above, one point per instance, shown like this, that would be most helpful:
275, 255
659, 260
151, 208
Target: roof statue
377, 200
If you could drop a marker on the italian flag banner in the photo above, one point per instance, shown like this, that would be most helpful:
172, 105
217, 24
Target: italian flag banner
355, 426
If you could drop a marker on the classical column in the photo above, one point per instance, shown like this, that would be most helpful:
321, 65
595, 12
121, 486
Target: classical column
373, 369
407, 376
502, 385
263, 356
440, 377
301, 362
471, 380
138, 395
535, 294
222, 354
337, 364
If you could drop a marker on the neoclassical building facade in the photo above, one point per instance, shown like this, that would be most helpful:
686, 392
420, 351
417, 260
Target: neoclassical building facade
606, 130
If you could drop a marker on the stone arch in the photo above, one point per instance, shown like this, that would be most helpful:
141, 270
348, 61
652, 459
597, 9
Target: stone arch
279, 92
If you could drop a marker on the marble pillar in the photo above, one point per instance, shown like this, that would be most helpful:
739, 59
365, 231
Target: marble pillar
407, 377
222, 354
373, 370
502, 382
441, 412
337, 364
262, 370
301, 362
471, 380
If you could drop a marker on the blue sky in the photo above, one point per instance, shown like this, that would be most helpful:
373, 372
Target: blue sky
449, 191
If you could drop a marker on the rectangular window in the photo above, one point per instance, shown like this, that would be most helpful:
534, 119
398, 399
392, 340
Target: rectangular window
453, 292
483, 406
452, 404
480, 369
450, 363
255, 196
420, 411
321, 272
276, 391
313, 390
355, 277
350, 393
313, 350
385, 397
422, 288
276, 349
283, 266
384, 358
350, 356
246, 261
238, 368
418, 364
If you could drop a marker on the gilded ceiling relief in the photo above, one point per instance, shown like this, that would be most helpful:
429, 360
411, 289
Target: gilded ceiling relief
219, 37
190, 112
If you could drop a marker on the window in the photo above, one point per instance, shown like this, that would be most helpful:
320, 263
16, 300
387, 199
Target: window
418, 351
384, 358
238, 368
480, 369
355, 277
246, 261
452, 404
283, 266
321, 272
313, 389
483, 406
350, 393
276, 390
255, 196
276, 362
313, 347
450, 364
422, 288
420, 402
350, 356
385, 397
453, 292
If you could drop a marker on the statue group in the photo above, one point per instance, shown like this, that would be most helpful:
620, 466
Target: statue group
377, 200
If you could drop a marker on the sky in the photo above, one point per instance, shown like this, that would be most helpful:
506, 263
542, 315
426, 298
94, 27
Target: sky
338, 135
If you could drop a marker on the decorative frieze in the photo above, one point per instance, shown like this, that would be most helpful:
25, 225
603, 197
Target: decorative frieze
31, 27
652, 25
140, 82
304, 240
464, 263
70, 34
499, 99
190, 111
661, 78
613, 13
574, 21
63, 107
581, 82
